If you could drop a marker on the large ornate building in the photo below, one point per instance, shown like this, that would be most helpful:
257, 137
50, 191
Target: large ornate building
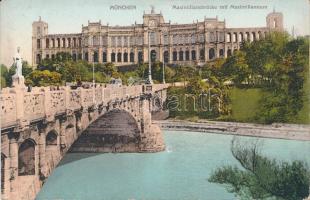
197, 42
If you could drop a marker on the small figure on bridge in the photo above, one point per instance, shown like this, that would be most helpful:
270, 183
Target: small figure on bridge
18, 78
18, 63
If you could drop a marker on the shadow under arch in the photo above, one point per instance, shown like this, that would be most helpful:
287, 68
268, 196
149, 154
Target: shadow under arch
26, 157
115, 131
51, 137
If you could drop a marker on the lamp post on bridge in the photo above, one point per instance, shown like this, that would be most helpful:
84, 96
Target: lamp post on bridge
164, 81
93, 76
149, 80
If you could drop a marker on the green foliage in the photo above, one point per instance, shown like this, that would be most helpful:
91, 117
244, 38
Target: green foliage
245, 102
236, 68
4, 74
44, 78
284, 80
261, 177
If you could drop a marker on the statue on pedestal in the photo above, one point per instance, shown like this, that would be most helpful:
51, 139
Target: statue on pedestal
18, 78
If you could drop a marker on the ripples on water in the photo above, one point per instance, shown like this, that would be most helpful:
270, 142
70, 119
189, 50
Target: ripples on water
178, 173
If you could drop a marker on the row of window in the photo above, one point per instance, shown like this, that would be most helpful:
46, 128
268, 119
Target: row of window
130, 41
126, 40
60, 43
130, 57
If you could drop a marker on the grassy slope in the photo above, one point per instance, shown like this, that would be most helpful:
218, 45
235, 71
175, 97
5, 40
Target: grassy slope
244, 103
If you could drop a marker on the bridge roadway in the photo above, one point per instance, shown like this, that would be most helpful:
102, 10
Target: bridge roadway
40, 126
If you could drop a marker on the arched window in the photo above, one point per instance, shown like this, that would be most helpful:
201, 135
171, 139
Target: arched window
166, 56
211, 54
241, 38
86, 56
175, 56
113, 57
26, 158
80, 42
132, 57
186, 55
248, 36
181, 55
221, 52
63, 42
125, 57
58, 42
253, 36
74, 56
229, 53
119, 57
74, 42
53, 43
202, 54
38, 58
69, 42
95, 58
193, 55
153, 56
38, 44
47, 43
104, 57
51, 138
140, 57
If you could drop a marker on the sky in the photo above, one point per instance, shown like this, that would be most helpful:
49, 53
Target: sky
64, 16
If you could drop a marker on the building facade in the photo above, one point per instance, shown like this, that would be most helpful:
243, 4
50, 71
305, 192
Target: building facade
195, 43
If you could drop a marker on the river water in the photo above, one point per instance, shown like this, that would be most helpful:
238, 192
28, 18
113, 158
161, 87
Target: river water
179, 173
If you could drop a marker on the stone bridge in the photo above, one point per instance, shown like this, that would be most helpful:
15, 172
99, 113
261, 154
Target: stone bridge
40, 126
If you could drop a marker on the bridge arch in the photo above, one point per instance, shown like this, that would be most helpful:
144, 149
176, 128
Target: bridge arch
51, 138
26, 158
115, 131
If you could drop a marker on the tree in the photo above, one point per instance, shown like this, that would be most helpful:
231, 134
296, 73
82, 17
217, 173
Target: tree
262, 177
4, 75
236, 68
44, 78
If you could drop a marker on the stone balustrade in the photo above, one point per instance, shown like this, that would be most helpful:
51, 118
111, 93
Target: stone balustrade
18, 105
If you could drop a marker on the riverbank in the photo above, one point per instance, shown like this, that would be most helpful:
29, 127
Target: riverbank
277, 131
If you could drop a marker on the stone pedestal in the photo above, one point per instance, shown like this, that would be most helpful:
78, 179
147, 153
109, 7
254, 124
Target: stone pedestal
18, 81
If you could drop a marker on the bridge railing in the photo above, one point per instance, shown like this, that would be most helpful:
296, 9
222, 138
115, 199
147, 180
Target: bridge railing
8, 108
44, 102
74, 99
34, 104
